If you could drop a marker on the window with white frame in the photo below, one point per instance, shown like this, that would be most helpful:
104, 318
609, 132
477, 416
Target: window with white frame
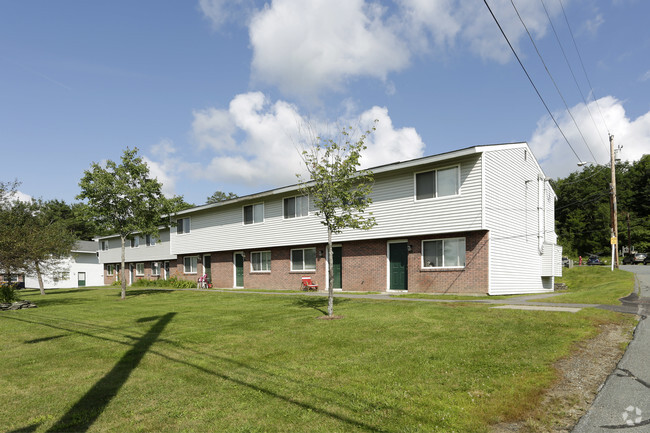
443, 253
190, 264
182, 226
261, 261
303, 259
150, 240
437, 183
104, 245
254, 213
155, 268
296, 207
139, 269
135, 241
110, 270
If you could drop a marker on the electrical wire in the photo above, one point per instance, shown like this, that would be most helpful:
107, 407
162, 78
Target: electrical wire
575, 80
531, 80
585, 201
584, 140
583, 67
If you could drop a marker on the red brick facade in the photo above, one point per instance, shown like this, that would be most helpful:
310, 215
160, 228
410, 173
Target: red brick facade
364, 267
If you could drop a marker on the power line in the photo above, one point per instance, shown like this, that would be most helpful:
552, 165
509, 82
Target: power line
575, 80
530, 79
591, 88
552, 79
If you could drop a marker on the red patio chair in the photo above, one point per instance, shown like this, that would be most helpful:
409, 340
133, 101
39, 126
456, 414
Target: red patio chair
308, 284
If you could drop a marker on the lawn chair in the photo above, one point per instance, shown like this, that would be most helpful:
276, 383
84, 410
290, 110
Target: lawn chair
308, 284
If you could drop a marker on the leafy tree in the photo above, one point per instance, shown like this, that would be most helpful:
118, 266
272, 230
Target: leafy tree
124, 200
220, 196
337, 189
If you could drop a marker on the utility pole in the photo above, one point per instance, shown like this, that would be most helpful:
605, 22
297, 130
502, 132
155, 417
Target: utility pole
629, 239
614, 211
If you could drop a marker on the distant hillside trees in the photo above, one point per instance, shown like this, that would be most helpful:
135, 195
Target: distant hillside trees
582, 211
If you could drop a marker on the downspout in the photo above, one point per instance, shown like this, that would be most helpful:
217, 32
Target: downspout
541, 223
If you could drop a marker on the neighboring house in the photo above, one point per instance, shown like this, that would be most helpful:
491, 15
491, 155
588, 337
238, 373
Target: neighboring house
475, 220
81, 268
145, 257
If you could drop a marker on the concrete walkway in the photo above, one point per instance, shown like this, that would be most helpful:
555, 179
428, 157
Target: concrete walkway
623, 403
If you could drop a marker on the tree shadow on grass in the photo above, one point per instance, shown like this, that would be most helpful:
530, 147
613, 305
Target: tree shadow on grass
89, 407
318, 303
147, 292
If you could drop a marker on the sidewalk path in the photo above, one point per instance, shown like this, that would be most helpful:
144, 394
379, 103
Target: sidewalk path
623, 403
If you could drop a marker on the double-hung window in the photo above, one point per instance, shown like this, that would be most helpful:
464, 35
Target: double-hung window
110, 270
443, 253
437, 183
139, 269
155, 268
303, 259
182, 225
135, 241
190, 264
295, 207
104, 245
261, 261
150, 240
254, 213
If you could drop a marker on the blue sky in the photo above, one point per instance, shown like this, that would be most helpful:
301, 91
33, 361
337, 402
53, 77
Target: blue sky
221, 95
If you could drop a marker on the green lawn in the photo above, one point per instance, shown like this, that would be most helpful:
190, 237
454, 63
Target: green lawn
179, 361
594, 285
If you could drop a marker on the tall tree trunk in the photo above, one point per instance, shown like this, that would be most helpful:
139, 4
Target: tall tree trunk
330, 263
40, 277
122, 277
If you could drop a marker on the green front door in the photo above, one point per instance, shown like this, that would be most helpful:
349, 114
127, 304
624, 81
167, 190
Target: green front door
336, 267
207, 267
397, 258
81, 279
239, 270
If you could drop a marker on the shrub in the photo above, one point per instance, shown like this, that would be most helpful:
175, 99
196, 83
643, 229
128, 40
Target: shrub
7, 293
172, 282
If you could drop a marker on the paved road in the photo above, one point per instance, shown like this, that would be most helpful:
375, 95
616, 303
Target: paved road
623, 403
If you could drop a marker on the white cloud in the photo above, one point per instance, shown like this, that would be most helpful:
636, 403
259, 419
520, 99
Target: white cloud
166, 169
645, 77
21, 196
305, 47
272, 135
221, 11
591, 26
556, 157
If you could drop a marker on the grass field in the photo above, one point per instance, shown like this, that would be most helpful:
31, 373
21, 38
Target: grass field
594, 285
178, 361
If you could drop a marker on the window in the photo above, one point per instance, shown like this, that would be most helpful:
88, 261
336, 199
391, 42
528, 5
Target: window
190, 264
104, 245
182, 226
110, 270
295, 207
254, 213
261, 261
443, 253
155, 268
135, 241
139, 269
150, 240
303, 259
437, 183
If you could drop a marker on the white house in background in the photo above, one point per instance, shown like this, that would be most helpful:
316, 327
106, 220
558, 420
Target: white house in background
475, 220
81, 269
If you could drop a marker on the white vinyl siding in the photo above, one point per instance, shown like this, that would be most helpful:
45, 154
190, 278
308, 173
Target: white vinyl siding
220, 228
512, 185
303, 259
157, 252
190, 264
261, 261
